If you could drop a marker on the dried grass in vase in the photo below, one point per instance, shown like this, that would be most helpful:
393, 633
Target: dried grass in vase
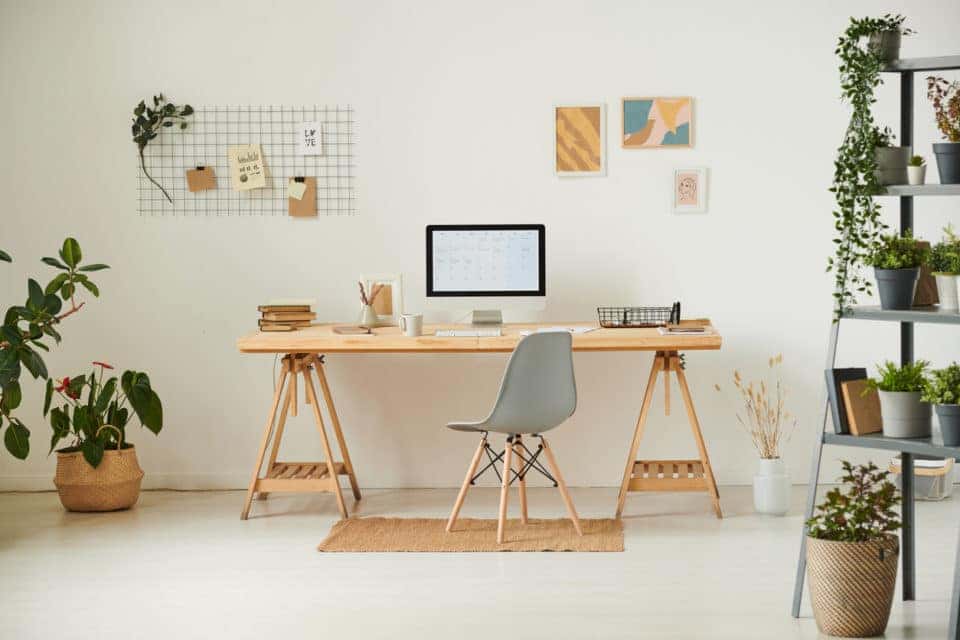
764, 417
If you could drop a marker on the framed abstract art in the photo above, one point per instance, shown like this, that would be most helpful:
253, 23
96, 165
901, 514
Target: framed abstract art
656, 123
690, 190
578, 142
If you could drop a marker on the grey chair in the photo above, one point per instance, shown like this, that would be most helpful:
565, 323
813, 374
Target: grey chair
538, 392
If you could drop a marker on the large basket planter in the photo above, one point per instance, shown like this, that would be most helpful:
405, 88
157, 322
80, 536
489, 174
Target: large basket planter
113, 485
852, 584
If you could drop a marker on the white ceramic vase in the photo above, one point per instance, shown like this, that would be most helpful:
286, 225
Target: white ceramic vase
947, 291
771, 488
916, 175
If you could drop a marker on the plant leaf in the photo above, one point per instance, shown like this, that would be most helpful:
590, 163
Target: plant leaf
92, 452
94, 267
12, 396
9, 366
35, 291
71, 252
5, 257
48, 396
53, 262
17, 439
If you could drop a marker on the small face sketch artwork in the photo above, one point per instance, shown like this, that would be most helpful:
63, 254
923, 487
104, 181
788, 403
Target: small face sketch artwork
687, 189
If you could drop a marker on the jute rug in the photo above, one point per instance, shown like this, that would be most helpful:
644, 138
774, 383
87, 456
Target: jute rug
429, 534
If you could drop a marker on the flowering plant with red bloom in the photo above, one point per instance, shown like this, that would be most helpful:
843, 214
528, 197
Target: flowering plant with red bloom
99, 422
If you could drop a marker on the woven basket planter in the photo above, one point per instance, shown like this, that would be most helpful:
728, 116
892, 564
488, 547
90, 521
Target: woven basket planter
851, 584
113, 485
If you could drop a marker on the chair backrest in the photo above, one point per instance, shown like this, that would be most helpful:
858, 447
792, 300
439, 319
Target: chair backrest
538, 391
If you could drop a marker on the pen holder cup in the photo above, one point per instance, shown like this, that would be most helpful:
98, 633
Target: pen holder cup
368, 316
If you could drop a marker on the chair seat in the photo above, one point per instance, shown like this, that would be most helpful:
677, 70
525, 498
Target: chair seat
484, 425
466, 426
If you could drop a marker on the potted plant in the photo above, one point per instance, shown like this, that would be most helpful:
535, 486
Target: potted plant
884, 41
891, 161
903, 413
768, 424
99, 470
942, 390
896, 264
852, 554
946, 106
944, 262
916, 171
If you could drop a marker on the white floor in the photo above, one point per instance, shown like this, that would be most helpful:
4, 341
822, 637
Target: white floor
183, 565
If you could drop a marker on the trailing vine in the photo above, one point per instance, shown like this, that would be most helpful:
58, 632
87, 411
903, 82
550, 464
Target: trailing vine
856, 215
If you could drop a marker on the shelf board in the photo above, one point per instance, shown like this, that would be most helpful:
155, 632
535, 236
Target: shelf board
920, 446
921, 190
940, 63
917, 314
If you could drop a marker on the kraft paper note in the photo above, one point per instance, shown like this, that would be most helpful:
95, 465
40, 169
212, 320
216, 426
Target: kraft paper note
201, 179
307, 205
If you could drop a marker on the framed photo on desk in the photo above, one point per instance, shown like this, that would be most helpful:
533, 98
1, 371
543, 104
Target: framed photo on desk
389, 302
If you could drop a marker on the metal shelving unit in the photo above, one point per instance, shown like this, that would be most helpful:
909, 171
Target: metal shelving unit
908, 448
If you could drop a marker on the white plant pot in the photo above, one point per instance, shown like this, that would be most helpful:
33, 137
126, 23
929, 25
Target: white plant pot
904, 415
917, 175
947, 291
771, 488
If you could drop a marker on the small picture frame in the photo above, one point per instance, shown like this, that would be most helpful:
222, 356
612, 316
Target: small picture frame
580, 140
389, 302
690, 190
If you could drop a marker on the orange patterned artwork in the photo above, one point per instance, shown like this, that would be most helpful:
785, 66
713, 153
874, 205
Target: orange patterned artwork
579, 140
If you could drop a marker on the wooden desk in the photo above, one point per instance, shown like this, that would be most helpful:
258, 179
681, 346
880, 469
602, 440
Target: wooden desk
304, 352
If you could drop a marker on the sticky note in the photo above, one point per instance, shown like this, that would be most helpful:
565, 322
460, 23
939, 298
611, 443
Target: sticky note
296, 189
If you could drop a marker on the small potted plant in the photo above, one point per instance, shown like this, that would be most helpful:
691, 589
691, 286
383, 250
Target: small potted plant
852, 554
99, 470
884, 41
942, 390
916, 171
944, 263
896, 264
945, 97
768, 423
902, 411
891, 161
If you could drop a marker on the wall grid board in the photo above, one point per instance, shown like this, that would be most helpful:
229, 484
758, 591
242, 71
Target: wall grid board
212, 129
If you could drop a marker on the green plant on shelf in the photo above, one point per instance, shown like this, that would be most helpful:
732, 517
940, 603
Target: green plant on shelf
916, 161
944, 258
883, 137
943, 386
861, 510
896, 252
98, 422
910, 377
945, 97
25, 329
857, 221
149, 121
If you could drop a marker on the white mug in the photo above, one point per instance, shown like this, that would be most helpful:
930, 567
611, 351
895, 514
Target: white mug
411, 324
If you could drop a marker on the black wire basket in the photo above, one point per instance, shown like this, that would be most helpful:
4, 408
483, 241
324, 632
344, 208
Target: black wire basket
624, 317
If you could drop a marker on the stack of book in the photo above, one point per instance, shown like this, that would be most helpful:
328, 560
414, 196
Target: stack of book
286, 315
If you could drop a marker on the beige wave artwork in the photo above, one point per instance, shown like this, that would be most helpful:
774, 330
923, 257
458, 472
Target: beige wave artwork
578, 139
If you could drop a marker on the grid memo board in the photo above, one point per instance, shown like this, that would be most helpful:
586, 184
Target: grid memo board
204, 143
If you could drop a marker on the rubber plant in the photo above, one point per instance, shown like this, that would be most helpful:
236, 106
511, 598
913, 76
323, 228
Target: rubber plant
25, 329
856, 214
149, 121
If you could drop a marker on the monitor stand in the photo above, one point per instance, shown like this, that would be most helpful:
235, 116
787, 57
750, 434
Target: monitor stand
486, 317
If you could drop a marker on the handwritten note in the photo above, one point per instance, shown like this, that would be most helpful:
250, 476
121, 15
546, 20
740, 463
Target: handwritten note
310, 139
247, 167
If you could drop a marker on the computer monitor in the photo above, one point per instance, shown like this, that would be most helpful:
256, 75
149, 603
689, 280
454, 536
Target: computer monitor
485, 267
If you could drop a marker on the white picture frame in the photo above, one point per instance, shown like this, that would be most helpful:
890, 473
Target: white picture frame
690, 190
393, 283
602, 155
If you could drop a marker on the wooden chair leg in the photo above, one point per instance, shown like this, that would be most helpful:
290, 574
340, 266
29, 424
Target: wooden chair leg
638, 432
466, 484
267, 432
698, 436
275, 448
331, 469
504, 491
521, 481
555, 470
337, 431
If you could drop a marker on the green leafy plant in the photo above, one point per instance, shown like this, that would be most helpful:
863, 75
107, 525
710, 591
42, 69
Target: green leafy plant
897, 252
862, 512
946, 106
98, 422
857, 221
909, 377
25, 329
149, 121
943, 386
944, 257
883, 137
917, 161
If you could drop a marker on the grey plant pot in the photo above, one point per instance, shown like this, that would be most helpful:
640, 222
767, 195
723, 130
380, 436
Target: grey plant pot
949, 417
892, 165
948, 161
903, 415
886, 44
897, 287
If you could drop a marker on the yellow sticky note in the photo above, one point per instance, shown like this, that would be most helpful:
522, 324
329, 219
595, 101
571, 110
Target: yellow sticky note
296, 189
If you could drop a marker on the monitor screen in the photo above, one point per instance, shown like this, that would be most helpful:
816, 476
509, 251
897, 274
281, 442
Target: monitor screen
486, 260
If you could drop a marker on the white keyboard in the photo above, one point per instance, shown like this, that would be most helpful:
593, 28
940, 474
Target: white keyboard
468, 333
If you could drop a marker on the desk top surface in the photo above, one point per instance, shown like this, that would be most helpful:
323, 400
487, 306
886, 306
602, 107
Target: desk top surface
320, 338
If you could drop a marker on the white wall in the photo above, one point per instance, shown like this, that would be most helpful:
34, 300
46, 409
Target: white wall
453, 105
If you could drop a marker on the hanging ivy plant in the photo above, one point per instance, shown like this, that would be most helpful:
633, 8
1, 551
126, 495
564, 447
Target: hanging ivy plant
857, 213
149, 121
